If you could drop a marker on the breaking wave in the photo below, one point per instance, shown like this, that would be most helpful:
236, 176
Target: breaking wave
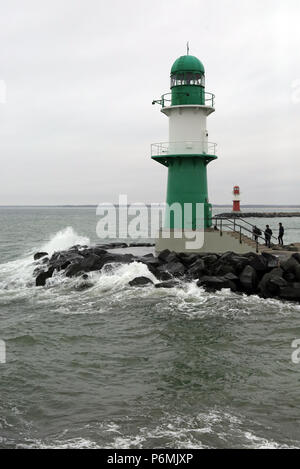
18, 273
206, 430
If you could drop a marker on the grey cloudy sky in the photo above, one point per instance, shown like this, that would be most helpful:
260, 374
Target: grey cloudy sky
81, 75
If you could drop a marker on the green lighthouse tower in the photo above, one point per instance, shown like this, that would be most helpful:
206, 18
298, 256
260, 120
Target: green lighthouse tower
188, 151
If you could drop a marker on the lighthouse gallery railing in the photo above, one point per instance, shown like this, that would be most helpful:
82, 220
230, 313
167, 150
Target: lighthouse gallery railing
183, 148
166, 99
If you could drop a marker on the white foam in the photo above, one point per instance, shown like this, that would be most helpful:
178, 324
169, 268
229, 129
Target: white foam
211, 429
119, 277
64, 239
74, 443
18, 273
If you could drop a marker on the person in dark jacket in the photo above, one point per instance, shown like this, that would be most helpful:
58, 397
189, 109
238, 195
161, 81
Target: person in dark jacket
268, 234
256, 233
281, 233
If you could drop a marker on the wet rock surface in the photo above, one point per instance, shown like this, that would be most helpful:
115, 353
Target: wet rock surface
260, 274
140, 282
39, 255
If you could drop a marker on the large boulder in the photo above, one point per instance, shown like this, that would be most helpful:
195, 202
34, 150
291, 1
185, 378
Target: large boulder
167, 284
271, 283
188, 259
291, 292
133, 245
98, 251
259, 263
175, 268
110, 258
297, 273
196, 269
39, 255
91, 263
162, 256
272, 261
213, 283
296, 256
248, 279
210, 259
74, 269
62, 260
290, 265
118, 244
232, 277
140, 282
229, 262
152, 263
289, 276
223, 269
276, 283
172, 257
40, 280
104, 246
226, 257
238, 263
161, 275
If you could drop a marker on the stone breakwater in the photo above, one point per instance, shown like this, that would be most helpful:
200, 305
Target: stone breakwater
258, 215
264, 275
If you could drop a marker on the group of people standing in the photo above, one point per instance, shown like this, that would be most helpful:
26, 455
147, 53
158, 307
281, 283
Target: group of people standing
268, 234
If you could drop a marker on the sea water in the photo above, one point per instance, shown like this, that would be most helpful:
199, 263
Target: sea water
114, 366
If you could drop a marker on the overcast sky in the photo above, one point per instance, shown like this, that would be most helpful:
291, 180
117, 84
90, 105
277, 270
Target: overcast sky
78, 122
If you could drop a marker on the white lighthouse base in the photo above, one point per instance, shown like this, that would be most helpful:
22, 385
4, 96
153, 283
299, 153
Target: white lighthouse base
208, 240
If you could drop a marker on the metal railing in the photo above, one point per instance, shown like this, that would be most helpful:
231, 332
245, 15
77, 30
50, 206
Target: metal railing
254, 226
166, 99
210, 98
241, 219
198, 147
233, 225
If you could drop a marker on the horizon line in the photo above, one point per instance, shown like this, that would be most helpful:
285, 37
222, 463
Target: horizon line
138, 203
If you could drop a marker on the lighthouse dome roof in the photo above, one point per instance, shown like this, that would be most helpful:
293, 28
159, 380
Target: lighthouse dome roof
187, 63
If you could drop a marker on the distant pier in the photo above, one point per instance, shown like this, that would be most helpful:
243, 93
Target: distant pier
259, 214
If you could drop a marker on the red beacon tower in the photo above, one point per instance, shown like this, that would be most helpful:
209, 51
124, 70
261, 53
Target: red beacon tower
236, 199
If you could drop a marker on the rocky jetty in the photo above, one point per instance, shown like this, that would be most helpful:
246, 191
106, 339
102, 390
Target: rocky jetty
264, 275
258, 215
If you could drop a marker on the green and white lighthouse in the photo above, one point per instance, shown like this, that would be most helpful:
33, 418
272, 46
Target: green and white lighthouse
188, 151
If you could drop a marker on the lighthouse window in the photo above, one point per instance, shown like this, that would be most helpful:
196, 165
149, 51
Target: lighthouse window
197, 79
189, 78
180, 79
